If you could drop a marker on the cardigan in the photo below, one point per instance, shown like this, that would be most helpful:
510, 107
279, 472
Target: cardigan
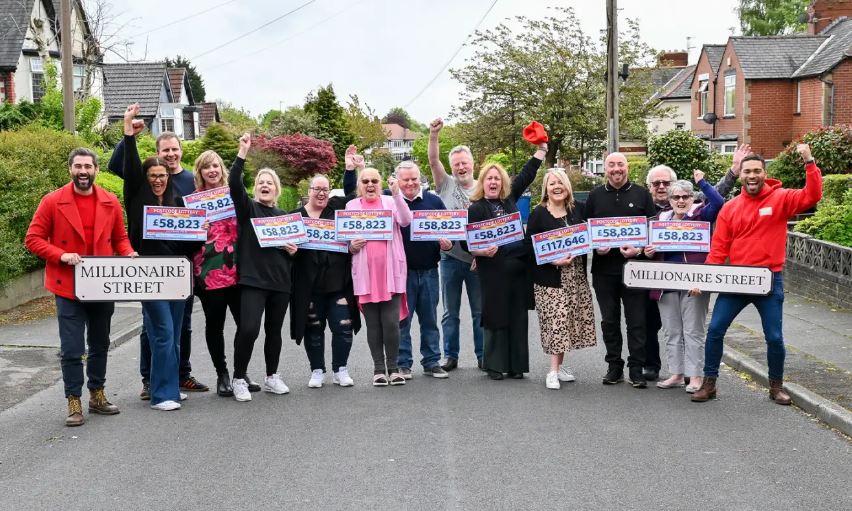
541, 220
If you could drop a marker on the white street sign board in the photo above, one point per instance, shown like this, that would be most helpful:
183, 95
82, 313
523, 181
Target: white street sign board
132, 279
748, 280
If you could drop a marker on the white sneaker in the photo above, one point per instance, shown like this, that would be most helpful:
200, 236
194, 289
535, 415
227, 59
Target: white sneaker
275, 384
317, 378
241, 391
183, 396
166, 406
552, 380
342, 378
565, 374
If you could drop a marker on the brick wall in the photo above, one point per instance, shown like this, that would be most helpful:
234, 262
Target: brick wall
770, 106
7, 86
810, 107
730, 124
700, 127
829, 10
818, 284
842, 78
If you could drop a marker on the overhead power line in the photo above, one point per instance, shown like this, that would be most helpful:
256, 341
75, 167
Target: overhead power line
175, 22
252, 31
455, 54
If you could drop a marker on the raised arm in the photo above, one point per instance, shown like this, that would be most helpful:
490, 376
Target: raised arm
715, 201
527, 174
797, 201
132, 165
439, 173
235, 179
401, 214
726, 184
354, 165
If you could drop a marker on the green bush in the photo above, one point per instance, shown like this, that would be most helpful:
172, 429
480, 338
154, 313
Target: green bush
834, 187
637, 169
832, 222
191, 150
111, 183
289, 199
831, 148
680, 150
219, 139
33, 162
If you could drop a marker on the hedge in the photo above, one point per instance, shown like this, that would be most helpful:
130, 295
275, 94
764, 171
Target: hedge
831, 148
831, 222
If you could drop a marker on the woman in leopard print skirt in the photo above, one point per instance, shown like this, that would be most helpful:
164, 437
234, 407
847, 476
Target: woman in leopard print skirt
563, 299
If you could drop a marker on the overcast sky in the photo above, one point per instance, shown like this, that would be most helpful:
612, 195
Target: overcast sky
385, 51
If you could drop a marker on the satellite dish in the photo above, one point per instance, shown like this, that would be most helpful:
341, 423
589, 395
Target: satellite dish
710, 118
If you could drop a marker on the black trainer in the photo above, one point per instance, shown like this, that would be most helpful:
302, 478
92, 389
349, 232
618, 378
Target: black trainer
613, 376
450, 364
637, 379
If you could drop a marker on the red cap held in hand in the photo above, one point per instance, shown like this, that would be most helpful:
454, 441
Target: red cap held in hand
535, 134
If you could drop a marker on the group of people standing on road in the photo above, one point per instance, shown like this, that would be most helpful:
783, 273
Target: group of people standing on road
389, 281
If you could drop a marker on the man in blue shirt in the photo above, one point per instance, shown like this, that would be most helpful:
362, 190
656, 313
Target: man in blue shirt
169, 150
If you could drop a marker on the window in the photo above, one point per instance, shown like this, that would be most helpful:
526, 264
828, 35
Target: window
79, 77
37, 78
729, 148
798, 97
730, 92
680, 125
703, 96
167, 125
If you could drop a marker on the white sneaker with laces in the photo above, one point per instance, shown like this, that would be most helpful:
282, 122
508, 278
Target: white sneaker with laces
565, 374
166, 406
273, 383
241, 391
317, 377
552, 380
342, 378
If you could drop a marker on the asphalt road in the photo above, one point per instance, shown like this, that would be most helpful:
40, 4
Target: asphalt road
462, 443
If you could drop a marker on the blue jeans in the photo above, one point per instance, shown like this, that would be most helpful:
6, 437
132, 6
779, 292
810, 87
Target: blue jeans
422, 291
333, 309
185, 368
162, 320
771, 310
81, 323
454, 273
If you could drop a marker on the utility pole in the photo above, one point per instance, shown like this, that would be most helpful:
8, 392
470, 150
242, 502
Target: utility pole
67, 60
612, 76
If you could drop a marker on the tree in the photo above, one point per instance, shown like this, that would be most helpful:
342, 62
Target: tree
218, 138
398, 115
363, 123
301, 156
236, 120
382, 160
292, 120
196, 83
331, 121
451, 136
771, 17
684, 152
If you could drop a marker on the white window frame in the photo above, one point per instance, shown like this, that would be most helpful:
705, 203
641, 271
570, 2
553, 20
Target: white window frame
36, 70
79, 73
164, 127
703, 96
680, 125
798, 97
730, 88
728, 148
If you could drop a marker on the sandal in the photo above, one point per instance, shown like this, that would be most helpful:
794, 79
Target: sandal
397, 379
380, 380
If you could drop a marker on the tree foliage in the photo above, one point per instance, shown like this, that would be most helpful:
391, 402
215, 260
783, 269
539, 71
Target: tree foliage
684, 152
831, 148
217, 138
397, 115
331, 121
365, 126
451, 136
301, 156
831, 222
771, 17
551, 71
292, 120
196, 82
382, 160
236, 120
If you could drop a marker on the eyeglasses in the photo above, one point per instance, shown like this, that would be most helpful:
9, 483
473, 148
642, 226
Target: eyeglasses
320, 190
678, 198
369, 181
656, 184
158, 177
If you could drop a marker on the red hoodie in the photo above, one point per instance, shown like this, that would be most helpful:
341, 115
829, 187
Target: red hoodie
752, 230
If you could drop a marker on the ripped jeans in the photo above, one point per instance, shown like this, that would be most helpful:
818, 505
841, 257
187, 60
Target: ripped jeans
328, 308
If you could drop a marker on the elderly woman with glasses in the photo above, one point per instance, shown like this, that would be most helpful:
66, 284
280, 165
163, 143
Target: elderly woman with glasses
379, 272
322, 286
683, 312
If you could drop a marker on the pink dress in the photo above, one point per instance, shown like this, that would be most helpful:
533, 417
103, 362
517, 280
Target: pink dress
377, 262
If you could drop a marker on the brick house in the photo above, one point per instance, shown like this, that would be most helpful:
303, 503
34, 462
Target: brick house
768, 91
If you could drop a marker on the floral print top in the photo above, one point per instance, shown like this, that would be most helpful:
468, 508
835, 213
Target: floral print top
215, 266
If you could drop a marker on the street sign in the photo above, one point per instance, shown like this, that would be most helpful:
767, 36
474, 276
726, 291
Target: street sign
747, 280
132, 279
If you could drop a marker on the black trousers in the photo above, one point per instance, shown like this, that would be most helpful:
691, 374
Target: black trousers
653, 323
216, 303
611, 293
81, 324
271, 307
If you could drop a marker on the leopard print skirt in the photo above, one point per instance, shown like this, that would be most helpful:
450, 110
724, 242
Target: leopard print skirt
566, 314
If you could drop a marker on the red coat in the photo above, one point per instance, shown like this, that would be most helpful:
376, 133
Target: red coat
56, 229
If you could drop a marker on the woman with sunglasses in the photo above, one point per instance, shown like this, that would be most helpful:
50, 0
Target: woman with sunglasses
322, 286
379, 271
148, 183
683, 313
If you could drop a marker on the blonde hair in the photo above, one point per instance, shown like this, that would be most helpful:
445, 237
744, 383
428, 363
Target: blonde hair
204, 160
562, 177
275, 179
361, 186
479, 189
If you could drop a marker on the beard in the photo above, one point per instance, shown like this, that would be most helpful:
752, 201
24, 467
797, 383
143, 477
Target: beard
83, 185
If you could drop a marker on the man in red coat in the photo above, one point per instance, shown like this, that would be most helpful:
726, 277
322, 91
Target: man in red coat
77, 220
751, 230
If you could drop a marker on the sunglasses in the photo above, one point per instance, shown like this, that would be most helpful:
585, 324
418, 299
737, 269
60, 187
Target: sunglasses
369, 181
655, 184
320, 190
677, 198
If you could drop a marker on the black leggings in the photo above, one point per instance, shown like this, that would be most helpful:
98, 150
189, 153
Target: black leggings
253, 303
216, 303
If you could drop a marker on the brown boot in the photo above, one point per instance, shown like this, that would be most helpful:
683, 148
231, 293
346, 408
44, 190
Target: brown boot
707, 390
75, 412
777, 393
98, 403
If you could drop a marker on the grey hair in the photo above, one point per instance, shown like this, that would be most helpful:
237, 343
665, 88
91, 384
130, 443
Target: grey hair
460, 149
660, 167
82, 151
683, 185
315, 176
406, 164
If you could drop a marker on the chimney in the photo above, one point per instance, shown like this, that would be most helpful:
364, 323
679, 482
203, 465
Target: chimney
675, 58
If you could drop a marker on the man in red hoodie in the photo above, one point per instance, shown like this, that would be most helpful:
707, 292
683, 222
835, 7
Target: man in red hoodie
751, 230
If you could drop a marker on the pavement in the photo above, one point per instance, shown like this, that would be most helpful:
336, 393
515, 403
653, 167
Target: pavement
461, 443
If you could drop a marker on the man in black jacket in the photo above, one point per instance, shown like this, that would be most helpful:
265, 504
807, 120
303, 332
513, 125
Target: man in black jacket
619, 197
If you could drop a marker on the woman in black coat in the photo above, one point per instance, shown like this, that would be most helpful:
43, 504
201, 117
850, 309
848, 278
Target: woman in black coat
504, 271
